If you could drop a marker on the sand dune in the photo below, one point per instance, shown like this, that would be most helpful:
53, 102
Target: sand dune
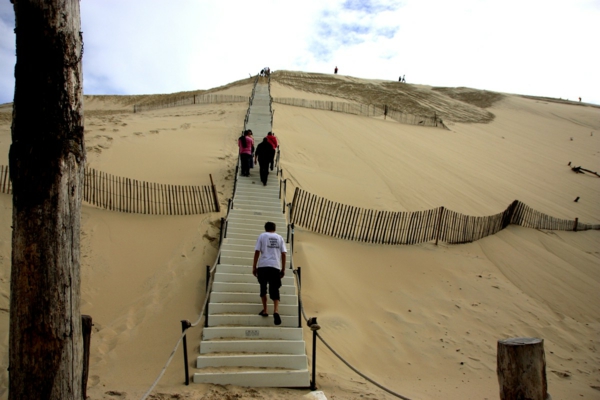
422, 320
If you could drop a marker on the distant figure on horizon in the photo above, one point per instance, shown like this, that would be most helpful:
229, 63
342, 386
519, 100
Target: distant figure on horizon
403, 80
335, 70
580, 99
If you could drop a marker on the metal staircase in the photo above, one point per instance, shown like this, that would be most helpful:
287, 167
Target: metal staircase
238, 346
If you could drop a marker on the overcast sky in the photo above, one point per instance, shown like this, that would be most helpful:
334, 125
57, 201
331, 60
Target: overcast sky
535, 47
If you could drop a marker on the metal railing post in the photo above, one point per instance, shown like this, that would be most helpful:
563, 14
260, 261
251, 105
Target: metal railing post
292, 225
314, 327
298, 273
185, 324
206, 308
284, 190
280, 183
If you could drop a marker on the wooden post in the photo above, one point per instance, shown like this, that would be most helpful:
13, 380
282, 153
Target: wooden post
521, 368
575, 224
439, 226
46, 162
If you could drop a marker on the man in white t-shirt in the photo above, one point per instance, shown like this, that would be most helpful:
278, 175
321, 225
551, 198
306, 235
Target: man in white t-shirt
269, 267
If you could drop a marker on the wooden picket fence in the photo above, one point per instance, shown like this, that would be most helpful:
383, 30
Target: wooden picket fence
5, 183
190, 100
367, 110
132, 196
412, 227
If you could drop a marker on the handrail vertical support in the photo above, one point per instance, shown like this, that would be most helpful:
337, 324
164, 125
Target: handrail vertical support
284, 190
185, 324
207, 294
299, 275
314, 327
292, 225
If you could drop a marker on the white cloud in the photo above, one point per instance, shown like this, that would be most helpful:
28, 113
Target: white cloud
153, 46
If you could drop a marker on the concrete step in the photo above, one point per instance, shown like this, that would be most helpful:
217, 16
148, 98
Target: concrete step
233, 233
274, 203
252, 298
257, 207
242, 258
257, 222
252, 184
289, 361
271, 191
253, 346
259, 200
239, 242
256, 378
287, 280
254, 333
250, 229
257, 214
248, 288
250, 320
244, 269
248, 247
250, 309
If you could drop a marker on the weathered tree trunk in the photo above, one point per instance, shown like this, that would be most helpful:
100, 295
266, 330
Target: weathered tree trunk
522, 369
47, 160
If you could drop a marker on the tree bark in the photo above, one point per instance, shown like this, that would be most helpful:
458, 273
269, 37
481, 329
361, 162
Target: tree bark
47, 160
522, 369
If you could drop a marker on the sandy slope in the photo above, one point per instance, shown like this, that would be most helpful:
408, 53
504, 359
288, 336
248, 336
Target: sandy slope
422, 320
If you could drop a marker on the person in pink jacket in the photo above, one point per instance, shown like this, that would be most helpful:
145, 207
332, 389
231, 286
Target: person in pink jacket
246, 145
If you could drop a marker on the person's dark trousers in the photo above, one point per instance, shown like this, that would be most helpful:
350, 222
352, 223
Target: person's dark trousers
245, 161
264, 171
272, 161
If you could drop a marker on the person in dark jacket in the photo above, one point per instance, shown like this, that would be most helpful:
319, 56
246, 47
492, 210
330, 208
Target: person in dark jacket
264, 154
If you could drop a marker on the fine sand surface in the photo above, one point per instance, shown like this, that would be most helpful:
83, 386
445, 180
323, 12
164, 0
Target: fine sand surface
421, 320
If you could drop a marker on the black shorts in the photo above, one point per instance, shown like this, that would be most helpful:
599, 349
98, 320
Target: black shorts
269, 276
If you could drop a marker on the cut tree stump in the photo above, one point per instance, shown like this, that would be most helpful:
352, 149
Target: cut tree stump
522, 369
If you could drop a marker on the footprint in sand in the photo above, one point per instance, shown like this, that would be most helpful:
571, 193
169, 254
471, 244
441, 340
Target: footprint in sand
93, 380
116, 394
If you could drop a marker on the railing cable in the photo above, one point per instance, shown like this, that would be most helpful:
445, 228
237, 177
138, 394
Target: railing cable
338, 355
